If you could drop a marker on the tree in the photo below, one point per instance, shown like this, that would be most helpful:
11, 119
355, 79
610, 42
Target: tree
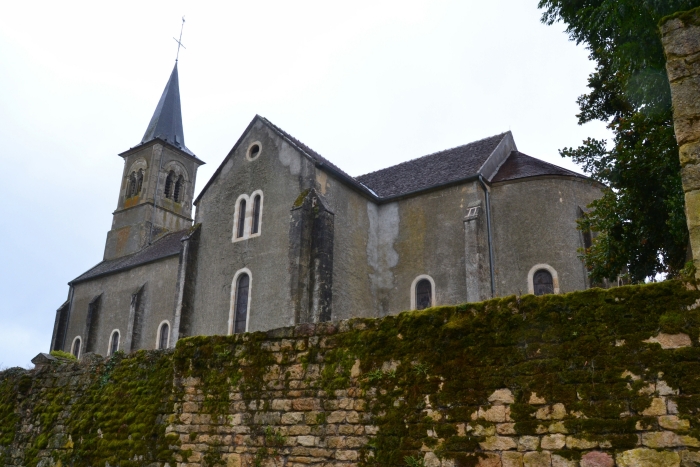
640, 219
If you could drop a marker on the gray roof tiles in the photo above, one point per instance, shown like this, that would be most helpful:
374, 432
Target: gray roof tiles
166, 123
440, 168
519, 165
168, 245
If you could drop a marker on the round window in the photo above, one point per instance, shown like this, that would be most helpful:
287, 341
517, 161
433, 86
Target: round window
253, 151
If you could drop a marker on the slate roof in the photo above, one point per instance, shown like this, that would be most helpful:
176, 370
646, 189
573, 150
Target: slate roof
519, 165
167, 245
440, 168
166, 123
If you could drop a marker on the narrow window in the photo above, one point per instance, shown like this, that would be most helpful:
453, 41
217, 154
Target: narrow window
169, 184
241, 312
543, 282
241, 219
256, 214
131, 185
178, 189
424, 294
163, 336
76, 347
114, 343
139, 182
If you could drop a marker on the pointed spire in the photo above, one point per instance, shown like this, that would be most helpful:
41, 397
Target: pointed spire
166, 122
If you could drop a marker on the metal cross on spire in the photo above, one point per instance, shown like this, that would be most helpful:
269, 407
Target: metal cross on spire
179, 41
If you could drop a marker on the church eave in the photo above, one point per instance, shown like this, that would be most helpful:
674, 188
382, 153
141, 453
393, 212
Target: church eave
141, 146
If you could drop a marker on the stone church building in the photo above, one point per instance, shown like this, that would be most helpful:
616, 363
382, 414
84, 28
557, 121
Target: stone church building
283, 236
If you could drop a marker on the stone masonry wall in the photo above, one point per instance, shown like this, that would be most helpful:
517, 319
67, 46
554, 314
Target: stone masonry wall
589, 379
681, 41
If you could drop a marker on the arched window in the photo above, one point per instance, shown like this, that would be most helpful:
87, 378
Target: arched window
240, 230
241, 306
163, 335
75, 348
169, 184
543, 282
255, 228
424, 294
177, 193
113, 343
139, 181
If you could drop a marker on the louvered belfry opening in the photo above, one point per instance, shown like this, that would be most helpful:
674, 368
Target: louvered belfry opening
241, 311
168, 191
424, 294
543, 282
177, 192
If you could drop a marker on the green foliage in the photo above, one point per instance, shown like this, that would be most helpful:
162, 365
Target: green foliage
414, 461
62, 354
640, 219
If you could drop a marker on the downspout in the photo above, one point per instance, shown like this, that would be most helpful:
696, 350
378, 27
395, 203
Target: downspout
490, 238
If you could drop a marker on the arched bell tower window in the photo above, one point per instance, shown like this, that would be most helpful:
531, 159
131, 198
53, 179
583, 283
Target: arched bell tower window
163, 336
131, 185
168, 191
177, 192
543, 282
255, 228
75, 348
113, 343
422, 292
240, 302
139, 181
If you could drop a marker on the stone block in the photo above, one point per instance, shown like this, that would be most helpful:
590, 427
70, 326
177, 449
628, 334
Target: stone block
346, 455
597, 459
689, 458
687, 129
642, 457
498, 443
536, 400
657, 407
553, 442
689, 154
497, 414
528, 443
680, 40
488, 459
559, 461
511, 459
505, 428
672, 422
306, 440
558, 427
502, 396
431, 460
292, 418
671, 341
306, 404
580, 443
537, 459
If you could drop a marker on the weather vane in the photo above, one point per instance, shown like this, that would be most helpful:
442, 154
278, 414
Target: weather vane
179, 41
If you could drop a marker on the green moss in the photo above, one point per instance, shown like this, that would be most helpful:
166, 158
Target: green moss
62, 354
688, 17
300, 199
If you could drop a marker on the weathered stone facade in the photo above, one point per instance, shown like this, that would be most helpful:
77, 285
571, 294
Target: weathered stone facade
473, 222
681, 40
589, 379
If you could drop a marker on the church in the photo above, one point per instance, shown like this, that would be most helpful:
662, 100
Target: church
282, 236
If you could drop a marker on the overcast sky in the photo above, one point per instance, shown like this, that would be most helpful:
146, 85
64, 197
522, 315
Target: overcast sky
367, 84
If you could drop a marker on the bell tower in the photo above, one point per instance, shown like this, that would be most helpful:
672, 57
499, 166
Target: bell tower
157, 186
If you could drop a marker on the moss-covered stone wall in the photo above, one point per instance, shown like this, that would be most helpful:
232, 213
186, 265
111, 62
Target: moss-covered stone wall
590, 379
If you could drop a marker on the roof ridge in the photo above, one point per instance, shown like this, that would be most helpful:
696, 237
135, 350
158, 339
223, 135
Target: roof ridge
432, 154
